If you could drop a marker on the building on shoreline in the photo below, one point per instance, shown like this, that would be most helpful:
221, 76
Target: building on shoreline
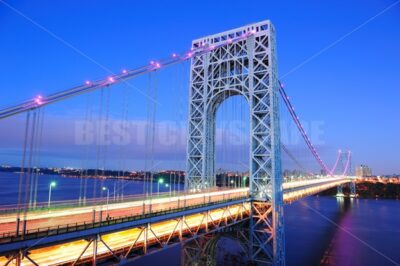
363, 171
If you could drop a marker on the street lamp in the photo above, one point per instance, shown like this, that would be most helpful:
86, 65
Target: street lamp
51, 185
160, 181
108, 196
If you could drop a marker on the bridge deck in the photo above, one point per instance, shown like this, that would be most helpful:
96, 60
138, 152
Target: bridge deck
74, 224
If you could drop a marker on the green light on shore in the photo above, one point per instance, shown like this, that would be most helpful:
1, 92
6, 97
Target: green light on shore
53, 184
161, 181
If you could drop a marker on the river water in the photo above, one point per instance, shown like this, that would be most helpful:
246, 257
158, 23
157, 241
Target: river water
319, 230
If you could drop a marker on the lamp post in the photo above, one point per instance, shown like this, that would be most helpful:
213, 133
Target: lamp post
160, 181
108, 196
51, 185
168, 186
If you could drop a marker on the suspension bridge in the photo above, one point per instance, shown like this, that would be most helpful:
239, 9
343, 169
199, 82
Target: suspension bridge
239, 62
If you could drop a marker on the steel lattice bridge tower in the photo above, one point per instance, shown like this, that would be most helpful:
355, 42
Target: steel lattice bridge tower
247, 68
241, 62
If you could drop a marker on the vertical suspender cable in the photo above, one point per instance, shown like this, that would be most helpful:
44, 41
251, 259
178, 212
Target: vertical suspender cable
38, 156
22, 173
27, 177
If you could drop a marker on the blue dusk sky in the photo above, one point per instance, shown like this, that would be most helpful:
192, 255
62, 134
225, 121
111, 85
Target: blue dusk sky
339, 61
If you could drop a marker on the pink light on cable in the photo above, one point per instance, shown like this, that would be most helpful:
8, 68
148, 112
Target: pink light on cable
111, 79
38, 100
229, 40
174, 55
124, 71
158, 65
189, 54
87, 82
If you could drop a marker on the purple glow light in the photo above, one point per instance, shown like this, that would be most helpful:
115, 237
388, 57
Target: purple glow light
38, 100
174, 55
229, 40
111, 79
158, 65
124, 71
151, 62
87, 82
189, 54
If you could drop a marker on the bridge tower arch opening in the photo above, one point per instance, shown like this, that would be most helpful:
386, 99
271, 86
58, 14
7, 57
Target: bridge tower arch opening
231, 145
248, 67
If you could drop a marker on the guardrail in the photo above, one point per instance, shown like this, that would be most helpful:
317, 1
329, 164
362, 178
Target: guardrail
59, 205
73, 227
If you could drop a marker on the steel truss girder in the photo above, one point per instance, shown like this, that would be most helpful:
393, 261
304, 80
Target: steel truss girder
184, 232
19, 256
150, 239
248, 68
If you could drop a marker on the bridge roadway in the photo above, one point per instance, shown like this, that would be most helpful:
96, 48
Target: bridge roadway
58, 233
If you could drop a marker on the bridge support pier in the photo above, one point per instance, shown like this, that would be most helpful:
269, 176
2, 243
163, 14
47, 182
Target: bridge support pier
353, 190
340, 191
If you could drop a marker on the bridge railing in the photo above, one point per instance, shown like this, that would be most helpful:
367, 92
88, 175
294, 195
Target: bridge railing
64, 204
73, 227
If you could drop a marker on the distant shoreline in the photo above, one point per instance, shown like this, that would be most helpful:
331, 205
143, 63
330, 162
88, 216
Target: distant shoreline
369, 190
